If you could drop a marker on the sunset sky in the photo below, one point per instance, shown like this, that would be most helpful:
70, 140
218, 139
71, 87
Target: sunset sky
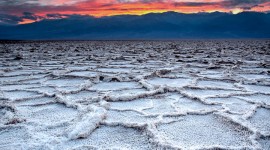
35, 10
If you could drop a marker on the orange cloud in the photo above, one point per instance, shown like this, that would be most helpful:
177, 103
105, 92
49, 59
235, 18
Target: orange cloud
140, 7
110, 7
262, 8
26, 21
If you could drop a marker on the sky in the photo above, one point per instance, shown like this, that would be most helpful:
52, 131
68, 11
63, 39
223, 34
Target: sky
28, 11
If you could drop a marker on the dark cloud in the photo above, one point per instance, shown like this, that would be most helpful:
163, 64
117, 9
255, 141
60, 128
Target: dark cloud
55, 16
30, 16
14, 19
242, 3
194, 3
9, 19
15, 2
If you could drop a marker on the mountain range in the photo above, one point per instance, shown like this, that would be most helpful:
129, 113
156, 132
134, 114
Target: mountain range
169, 25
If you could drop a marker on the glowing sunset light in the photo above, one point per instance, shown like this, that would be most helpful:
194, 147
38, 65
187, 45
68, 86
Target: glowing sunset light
26, 21
125, 7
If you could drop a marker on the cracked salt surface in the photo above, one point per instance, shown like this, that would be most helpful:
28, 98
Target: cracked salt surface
204, 131
135, 95
261, 121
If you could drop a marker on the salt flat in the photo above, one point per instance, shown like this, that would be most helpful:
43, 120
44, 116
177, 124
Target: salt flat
212, 94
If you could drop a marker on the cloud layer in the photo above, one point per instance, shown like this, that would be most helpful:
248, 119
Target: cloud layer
13, 11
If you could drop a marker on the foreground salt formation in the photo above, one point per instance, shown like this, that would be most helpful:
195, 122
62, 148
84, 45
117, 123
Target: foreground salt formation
135, 95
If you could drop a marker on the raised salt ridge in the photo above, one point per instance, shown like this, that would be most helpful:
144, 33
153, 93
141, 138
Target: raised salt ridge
135, 95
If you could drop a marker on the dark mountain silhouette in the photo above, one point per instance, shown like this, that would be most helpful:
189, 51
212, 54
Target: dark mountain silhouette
169, 25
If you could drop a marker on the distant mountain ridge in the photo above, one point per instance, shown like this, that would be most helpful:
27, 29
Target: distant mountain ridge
169, 25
